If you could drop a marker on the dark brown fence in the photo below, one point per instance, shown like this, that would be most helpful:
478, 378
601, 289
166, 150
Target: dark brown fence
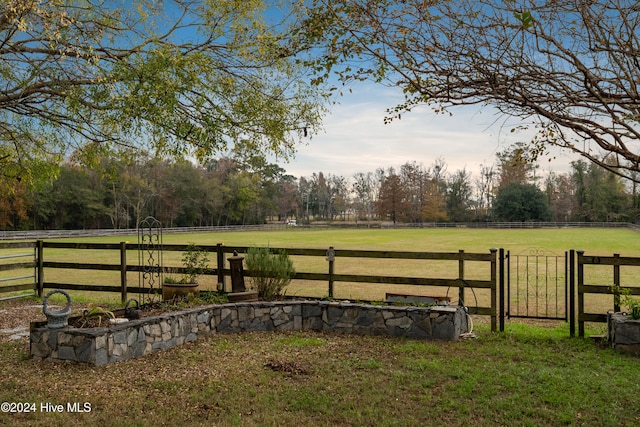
330, 277
584, 288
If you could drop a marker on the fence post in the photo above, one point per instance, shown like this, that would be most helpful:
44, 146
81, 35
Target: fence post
502, 287
494, 291
508, 257
40, 268
331, 257
580, 294
461, 277
616, 280
123, 271
572, 293
220, 261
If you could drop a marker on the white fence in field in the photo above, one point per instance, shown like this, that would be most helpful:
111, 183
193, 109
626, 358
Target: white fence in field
58, 234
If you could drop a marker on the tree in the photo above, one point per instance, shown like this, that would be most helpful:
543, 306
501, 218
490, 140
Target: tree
179, 77
458, 198
521, 202
600, 195
484, 191
435, 207
392, 201
568, 68
363, 188
414, 178
13, 204
514, 165
560, 190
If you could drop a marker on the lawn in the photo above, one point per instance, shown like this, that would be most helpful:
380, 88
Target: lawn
530, 375
527, 376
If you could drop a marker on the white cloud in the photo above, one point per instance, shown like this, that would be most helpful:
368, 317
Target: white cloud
357, 140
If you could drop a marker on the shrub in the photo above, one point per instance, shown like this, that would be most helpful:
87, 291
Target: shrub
195, 262
270, 272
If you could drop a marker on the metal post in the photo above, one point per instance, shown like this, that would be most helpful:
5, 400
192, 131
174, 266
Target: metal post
572, 293
580, 294
494, 291
509, 284
502, 288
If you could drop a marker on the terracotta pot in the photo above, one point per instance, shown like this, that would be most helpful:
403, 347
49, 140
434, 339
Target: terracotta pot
179, 290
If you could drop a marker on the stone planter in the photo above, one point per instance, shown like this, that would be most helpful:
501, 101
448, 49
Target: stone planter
99, 346
623, 332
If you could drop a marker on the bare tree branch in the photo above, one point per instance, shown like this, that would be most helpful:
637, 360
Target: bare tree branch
571, 66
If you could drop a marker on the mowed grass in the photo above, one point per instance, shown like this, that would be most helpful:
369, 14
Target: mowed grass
527, 376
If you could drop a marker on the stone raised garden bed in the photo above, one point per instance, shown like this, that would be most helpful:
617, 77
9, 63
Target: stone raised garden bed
103, 345
623, 332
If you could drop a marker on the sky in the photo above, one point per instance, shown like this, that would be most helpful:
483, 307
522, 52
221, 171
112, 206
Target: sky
355, 138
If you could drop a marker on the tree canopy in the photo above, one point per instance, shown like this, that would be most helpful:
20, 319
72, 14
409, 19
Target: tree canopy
177, 77
521, 202
568, 69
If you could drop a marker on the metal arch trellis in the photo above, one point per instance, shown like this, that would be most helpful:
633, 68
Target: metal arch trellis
149, 258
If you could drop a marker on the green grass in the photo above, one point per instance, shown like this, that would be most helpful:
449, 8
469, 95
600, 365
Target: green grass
528, 376
596, 241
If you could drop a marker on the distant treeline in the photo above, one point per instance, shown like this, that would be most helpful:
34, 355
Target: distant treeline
117, 193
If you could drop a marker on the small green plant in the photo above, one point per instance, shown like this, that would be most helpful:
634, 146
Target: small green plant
270, 272
623, 297
195, 262
97, 313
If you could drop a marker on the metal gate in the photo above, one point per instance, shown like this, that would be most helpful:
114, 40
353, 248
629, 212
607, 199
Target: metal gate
537, 285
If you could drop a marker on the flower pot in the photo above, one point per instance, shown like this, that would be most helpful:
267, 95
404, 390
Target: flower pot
179, 290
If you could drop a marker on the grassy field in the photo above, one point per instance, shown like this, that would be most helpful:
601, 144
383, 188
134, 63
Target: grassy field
527, 376
533, 374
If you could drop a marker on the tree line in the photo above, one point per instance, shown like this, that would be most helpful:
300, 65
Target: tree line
118, 192
195, 79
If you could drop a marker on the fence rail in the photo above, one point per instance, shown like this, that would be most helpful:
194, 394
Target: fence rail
10, 262
330, 277
19, 282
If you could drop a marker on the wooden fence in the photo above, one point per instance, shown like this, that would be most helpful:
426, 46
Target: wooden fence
40, 264
616, 261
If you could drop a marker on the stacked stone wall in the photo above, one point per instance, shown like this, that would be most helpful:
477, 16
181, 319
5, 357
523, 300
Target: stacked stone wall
99, 346
623, 333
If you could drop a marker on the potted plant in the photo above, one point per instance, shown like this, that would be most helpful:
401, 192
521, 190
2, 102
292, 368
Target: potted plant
194, 263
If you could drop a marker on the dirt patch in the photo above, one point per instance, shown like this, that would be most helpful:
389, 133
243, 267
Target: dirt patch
16, 314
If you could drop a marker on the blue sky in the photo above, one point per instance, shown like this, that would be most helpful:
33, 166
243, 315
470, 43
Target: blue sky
355, 138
